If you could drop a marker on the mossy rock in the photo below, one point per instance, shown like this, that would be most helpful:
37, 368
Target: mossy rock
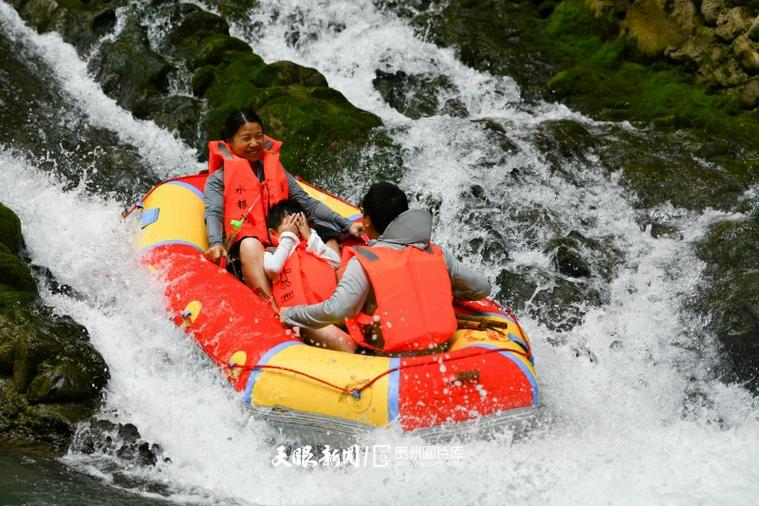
129, 70
10, 229
294, 104
479, 31
15, 274
414, 95
50, 376
731, 295
684, 183
216, 48
177, 113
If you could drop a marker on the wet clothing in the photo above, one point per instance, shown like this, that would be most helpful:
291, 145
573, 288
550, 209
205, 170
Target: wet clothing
354, 293
325, 219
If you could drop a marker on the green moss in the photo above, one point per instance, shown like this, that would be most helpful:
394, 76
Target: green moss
604, 75
295, 104
217, 47
10, 229
15, 274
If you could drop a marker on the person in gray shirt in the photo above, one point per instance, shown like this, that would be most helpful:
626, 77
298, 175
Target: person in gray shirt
389, 223
244, 136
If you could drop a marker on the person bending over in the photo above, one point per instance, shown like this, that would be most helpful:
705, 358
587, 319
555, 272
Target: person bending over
397, 293
245, 179
302, 270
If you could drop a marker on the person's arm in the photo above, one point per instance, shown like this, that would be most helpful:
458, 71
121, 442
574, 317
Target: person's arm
347, 300
316, 211
214, 208
467, 284
318, 248
273, 262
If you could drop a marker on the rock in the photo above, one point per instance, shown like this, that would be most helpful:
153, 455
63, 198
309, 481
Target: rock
562, 305
730, 297
730, 74
753, 32
177, 113
15, 275
732, 23
117, 440
39, 13
711, 9
50, 375
515, 288
747, 93
129, 70
55, 378
697, 50
567, 259
686, 184
10, 229
414, 95
747, 52
104, 22
562, 142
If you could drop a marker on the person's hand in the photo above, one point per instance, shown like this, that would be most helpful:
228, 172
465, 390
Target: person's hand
356, 229
303, 229
215, 253
283, 312
290, 224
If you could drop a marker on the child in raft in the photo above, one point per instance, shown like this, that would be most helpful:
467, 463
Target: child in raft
302, 270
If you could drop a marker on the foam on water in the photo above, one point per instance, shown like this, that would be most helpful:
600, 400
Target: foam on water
619, 425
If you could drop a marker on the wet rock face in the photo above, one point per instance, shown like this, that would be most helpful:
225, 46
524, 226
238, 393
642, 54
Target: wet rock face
732, 294
189, 75
32, 113
420, 95
122, 441
50, 375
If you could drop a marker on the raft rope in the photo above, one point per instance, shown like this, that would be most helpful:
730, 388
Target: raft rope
356, 392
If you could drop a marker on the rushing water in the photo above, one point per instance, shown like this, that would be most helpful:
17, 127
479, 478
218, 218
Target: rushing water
632, 412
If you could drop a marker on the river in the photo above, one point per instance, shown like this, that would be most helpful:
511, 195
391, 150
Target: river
631, 410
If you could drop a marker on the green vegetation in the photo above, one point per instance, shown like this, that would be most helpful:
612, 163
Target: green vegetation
604, 75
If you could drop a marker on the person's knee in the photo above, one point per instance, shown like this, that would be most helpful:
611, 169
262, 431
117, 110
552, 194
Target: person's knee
251, 248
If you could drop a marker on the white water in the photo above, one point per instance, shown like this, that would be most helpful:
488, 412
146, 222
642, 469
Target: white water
615, 430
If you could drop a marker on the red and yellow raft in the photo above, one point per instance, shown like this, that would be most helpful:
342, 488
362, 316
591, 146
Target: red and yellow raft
485, 378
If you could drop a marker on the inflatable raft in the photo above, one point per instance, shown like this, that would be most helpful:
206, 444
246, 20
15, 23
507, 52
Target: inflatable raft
485, 378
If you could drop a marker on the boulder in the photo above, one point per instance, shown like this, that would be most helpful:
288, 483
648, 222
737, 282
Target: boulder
10, 230
39, 13
129, 70
747, 53
747, 93
711, 10
50, 374
732, 23
753, 31
417, 95
730, 297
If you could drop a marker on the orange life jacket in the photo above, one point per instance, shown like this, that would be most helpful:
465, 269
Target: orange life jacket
304, 279
245, 197
414, 299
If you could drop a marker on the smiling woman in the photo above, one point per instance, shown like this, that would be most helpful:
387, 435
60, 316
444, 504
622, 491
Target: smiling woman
245, 180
